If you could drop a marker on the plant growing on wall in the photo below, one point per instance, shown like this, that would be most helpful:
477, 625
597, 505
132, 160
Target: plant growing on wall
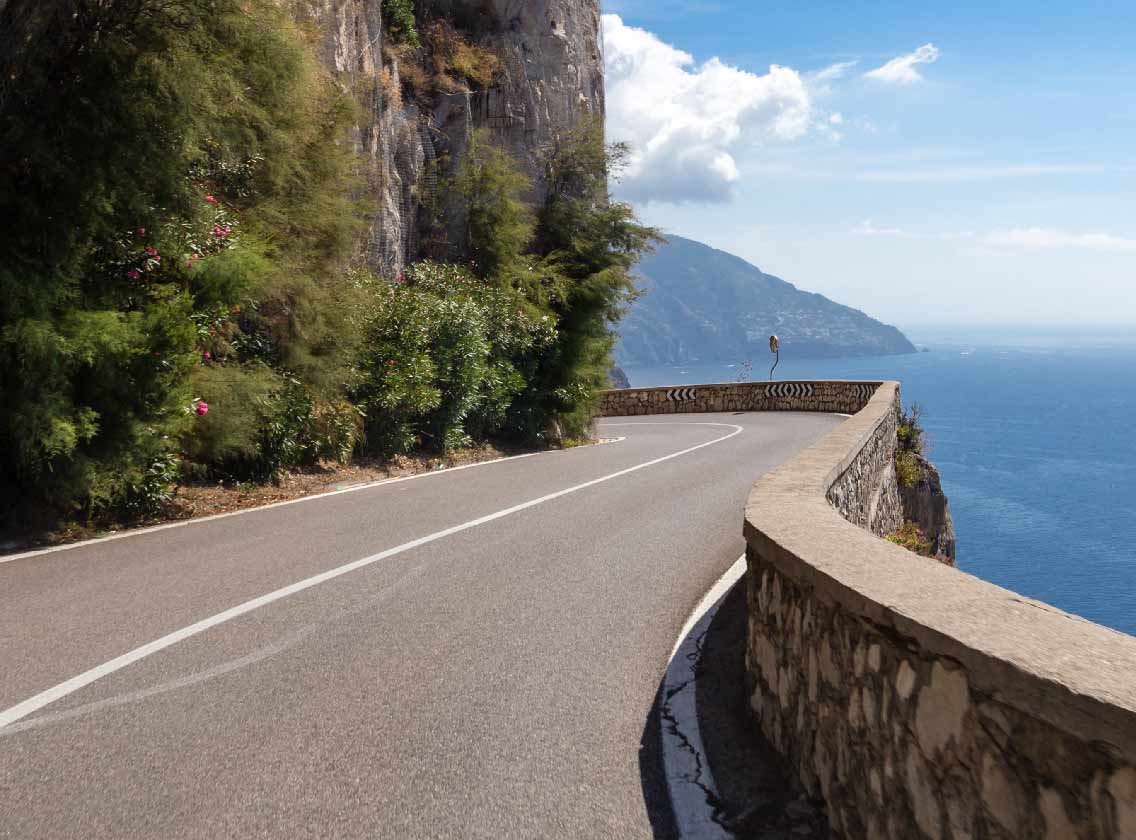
400, 21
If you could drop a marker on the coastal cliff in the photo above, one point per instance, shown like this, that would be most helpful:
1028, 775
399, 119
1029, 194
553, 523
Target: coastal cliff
548, 75
925, 504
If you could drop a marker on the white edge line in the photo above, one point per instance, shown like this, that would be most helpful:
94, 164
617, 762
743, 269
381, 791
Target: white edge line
720, 588
44, 698
687, 780
369, 485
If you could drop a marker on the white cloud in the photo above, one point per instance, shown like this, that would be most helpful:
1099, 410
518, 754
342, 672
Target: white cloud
1033, 238
903, 69
684, 122
833, 71
1037, 237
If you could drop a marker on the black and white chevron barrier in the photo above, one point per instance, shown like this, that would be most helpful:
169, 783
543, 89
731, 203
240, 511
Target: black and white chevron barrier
790, 389
681, 394
865, 392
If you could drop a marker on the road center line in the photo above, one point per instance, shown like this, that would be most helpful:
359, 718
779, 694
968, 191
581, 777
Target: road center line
58, 692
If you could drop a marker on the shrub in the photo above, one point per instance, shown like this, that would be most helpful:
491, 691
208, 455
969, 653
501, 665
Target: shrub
911, 441
400, 22
458, 60
443, 359
909, 429
908, 468
195, 204
910, 536
592, 243
499, 225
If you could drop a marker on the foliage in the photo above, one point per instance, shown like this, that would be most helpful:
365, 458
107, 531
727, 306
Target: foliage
909, 429
192, 206
177, 297
908, 469
399, 20
911, 442
910, 536
458, 60
444, 356
592, 243
499, 225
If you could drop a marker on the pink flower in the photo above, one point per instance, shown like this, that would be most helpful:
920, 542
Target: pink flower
134, 274
189, 265
399, 278
206, 356
211, 199
390, 363
141, 231
217, 231
151, 250
201, 409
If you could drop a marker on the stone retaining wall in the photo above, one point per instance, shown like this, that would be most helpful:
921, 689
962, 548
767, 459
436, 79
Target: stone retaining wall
920, 701
834, 396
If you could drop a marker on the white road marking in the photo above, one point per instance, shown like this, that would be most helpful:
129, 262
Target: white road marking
364, 485
688, 780
33, 704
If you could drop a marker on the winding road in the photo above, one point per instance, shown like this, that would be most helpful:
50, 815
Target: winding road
469, 653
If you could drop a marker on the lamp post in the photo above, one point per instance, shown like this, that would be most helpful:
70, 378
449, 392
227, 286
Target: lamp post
775, 348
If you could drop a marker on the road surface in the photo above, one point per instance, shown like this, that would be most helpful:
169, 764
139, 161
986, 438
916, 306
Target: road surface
473, 653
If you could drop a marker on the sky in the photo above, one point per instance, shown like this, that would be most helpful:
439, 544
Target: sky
929, 163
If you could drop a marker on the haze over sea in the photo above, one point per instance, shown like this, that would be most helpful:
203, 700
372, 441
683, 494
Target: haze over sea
1033, 436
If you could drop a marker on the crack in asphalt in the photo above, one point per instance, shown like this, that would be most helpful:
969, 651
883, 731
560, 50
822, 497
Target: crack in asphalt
694, 664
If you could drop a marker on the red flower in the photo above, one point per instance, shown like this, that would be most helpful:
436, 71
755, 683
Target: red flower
390, 363
201, 409
141, 231
211, 199
206, 356
134, 274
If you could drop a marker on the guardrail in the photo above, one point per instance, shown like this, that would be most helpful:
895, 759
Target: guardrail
844, 397
918, 700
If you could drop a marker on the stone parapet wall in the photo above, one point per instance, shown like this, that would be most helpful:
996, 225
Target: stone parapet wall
919, 701
832, 396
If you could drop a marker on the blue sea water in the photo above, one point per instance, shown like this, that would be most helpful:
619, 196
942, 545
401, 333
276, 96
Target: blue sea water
1034, 438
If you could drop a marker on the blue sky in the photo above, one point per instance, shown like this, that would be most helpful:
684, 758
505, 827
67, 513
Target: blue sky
929, 163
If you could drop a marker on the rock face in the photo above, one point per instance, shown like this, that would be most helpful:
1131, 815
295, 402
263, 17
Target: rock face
704, 305
552, 76
618, 378
925, 504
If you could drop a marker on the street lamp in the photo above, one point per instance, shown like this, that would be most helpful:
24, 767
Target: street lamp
775, 348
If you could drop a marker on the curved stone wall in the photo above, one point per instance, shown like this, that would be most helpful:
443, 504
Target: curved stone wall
920, 701
842, 397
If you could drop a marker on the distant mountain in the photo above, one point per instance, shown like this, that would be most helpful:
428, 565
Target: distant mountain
704, 305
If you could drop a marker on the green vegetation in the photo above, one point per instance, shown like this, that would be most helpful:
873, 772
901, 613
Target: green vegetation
179, 299
910, 536
398, 16
911, 442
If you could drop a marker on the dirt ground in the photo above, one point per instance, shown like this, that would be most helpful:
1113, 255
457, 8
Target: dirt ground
195, 500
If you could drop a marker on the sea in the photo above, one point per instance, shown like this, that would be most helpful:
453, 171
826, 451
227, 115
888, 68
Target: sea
1033, 434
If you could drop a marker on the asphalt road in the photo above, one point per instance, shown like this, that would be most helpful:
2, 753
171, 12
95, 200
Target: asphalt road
485, 669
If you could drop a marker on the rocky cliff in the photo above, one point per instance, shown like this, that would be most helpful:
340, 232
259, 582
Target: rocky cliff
551, 74
925, 504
